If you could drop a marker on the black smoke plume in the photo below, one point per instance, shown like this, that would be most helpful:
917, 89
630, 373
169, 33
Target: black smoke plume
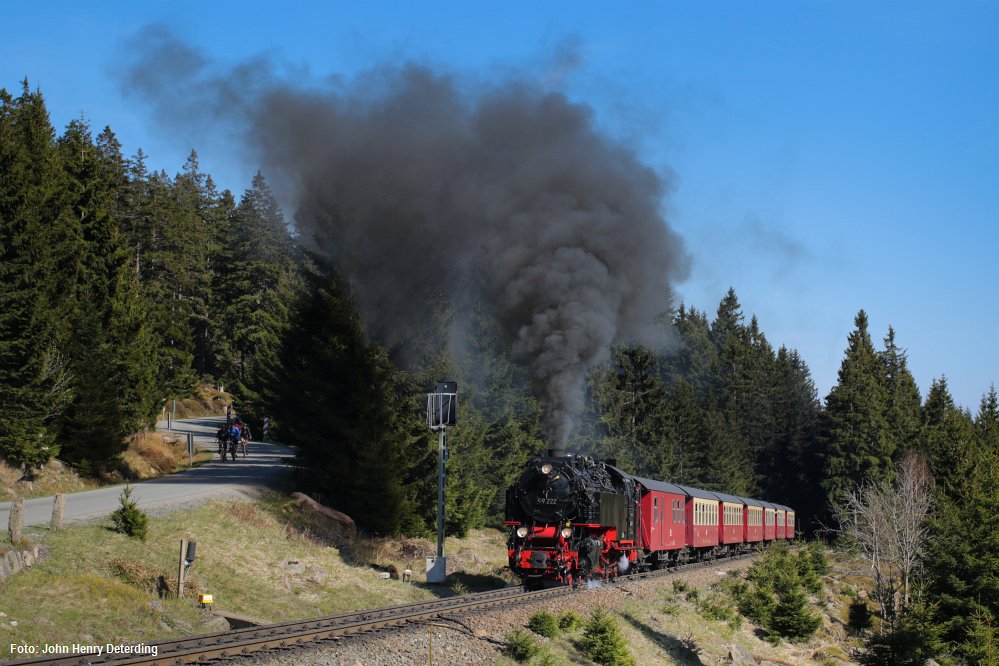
413, 179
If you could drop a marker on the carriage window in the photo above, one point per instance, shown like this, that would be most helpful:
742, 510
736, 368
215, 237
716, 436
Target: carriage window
655, 509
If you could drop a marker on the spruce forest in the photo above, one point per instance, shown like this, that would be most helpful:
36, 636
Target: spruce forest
122, 286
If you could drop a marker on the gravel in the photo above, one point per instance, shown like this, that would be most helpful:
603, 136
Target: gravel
478, 637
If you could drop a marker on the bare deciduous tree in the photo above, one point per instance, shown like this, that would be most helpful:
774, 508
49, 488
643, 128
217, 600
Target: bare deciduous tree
886, 521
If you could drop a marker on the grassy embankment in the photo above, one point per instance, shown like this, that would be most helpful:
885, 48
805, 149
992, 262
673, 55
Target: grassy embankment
699, 624
264, 559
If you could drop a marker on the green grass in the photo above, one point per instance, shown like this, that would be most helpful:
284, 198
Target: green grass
90, 587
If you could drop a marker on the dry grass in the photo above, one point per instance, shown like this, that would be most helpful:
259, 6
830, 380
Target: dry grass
99, 586
476, 562
208, 401
153, 454
54, 477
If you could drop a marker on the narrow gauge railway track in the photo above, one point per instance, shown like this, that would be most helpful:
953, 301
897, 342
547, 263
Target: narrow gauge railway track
238, 642
287, 635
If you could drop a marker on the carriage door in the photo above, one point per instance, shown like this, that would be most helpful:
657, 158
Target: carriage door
654, 533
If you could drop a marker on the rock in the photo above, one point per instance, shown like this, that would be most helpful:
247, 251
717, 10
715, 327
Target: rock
316, 575
740, 656
44, 621
215, 624
343, 523
157, 607
392, 572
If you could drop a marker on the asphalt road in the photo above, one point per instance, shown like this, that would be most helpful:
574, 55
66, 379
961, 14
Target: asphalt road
258, 470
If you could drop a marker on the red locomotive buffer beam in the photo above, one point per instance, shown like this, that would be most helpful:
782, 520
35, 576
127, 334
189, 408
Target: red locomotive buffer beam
569, 554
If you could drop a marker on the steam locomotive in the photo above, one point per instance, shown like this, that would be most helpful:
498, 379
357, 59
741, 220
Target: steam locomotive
574, 518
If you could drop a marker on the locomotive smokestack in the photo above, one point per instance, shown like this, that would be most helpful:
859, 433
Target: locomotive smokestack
557, 453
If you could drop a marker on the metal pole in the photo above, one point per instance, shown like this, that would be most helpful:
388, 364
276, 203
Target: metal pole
440, 495
173, 414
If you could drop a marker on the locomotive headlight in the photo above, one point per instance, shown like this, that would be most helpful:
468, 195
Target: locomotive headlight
546, 468
566, 532
522, 532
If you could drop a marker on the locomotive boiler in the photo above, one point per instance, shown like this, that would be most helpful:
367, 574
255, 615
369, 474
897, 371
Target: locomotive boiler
571, 518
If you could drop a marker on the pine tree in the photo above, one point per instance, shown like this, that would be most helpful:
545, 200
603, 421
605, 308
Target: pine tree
159, 262
853, 429
696, 355
962, 564
110, 347
788, 473
256, 283
36, 246
686, 431
193, 197
631, 400
356, 419
902, 409
947, 436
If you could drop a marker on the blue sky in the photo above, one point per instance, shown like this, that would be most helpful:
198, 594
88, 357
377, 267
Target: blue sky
827, 156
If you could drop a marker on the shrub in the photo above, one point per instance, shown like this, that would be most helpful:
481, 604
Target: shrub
569, 621
721, 608
129, 518
774, 594
671, 607
817, 554
520, 645
544, 624
679, 586
546, 658
860, 616
693, 596
602, 641
916, 638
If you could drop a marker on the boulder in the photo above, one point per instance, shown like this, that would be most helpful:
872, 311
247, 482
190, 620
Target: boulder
342, 523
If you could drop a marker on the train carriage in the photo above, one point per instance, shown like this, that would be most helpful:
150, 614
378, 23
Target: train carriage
790, 523
730, 514
701, 513
753, 520
780, 519
769, 521
661, 524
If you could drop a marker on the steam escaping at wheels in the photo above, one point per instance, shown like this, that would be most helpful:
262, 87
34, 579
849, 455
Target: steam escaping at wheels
575, 520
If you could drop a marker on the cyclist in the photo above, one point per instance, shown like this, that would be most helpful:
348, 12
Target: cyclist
235, 432
245, 437
222, 439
